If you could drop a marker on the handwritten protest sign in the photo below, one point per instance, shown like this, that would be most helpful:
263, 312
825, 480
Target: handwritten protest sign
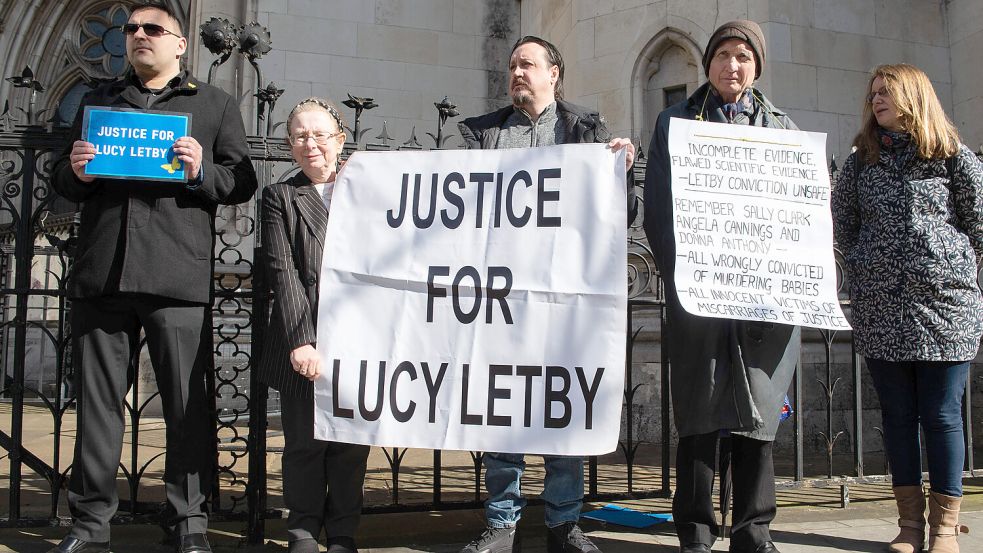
754, 236
475, 300
134, 144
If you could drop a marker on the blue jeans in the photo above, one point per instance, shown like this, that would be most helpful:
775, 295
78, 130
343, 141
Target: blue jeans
563, 490
929, 392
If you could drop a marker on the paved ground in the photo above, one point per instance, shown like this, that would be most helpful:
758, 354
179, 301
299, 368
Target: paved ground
809, 519
863, 526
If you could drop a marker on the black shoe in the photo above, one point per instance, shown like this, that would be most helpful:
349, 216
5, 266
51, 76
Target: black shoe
193, 543
303, 545
495, 540
341, 544
71, 544
696, 547
567, 538
766, 547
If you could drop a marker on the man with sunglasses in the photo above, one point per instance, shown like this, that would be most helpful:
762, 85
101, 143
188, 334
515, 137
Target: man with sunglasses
144, 262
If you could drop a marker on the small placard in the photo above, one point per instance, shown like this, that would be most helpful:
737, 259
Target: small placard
135, 144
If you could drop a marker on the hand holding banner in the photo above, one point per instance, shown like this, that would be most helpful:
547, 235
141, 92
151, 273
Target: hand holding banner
754, 235
475, 300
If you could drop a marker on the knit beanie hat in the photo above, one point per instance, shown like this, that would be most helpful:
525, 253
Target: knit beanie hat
748, 31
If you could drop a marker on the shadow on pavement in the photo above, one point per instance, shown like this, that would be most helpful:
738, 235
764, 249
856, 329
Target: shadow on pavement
821, 540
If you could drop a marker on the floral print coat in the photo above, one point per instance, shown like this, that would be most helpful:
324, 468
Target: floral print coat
912, 241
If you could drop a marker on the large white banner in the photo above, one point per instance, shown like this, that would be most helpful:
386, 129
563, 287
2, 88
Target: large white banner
475, 300
754, 235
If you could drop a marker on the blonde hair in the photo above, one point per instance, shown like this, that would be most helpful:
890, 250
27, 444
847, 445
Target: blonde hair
919, 113
314, 103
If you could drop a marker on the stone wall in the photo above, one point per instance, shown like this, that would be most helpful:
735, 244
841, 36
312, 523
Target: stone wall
823, 51
965, 20
818, 58
621, 55
404, 54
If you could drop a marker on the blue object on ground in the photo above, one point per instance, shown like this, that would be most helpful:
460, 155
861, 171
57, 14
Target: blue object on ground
623, 516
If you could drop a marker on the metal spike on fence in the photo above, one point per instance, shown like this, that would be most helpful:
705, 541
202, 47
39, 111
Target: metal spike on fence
413, 142
445, 110
26, 80
7, 118
384, 135
359, 104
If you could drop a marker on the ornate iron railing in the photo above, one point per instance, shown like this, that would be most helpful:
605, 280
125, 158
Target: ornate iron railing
36, 228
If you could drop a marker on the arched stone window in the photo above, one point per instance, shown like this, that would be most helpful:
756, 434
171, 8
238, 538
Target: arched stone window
74, 46
102, 49
667, 71
71, 47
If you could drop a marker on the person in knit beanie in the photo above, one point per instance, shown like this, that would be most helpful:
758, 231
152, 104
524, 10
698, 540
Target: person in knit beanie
748, 31
728, 377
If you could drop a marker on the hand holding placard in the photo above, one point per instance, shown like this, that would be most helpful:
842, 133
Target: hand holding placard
619, 143
188, 151
82, 154
306, 361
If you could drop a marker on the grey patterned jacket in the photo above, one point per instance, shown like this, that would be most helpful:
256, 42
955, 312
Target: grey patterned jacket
912, 242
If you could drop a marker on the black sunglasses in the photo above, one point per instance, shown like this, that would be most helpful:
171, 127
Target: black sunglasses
151, 29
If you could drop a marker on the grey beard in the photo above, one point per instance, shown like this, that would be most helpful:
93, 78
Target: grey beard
521, 98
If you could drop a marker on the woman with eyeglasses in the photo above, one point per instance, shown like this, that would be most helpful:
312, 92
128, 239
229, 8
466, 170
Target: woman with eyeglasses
322, 481
908, 217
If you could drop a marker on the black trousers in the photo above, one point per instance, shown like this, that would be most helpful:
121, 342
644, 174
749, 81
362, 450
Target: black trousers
322, 481
106, 337
753, 480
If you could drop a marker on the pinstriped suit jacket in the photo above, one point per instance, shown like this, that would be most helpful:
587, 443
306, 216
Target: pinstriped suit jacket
294, 221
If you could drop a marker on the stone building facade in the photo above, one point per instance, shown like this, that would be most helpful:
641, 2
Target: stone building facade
624, 55
627, 58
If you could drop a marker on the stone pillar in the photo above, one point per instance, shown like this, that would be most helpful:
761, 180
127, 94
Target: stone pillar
965, 22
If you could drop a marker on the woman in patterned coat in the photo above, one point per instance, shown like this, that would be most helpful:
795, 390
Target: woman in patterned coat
908, 217
322, 481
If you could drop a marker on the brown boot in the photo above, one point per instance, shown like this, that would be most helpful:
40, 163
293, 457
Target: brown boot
943, 522
911, 519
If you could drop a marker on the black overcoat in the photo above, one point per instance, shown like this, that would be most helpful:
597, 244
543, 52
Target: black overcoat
152, 237
724, 374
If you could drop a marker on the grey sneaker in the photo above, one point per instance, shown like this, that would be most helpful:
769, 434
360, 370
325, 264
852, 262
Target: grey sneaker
567, 538
495, 540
